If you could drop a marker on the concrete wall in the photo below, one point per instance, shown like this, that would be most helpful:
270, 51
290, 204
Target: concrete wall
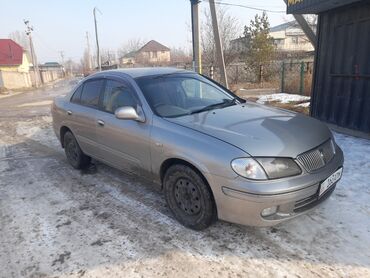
18, 80
50, 75
15, 80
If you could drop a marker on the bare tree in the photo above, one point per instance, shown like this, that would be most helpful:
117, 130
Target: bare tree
20, 38
229, 28
180, 56
130, 46
86, 62
108, 56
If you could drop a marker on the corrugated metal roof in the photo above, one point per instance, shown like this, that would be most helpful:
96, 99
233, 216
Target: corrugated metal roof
11, 53
316, 6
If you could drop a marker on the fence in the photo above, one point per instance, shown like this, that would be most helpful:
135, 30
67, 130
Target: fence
296, 78
288, 77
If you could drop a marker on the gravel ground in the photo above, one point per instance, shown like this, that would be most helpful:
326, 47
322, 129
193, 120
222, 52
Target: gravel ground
59, 222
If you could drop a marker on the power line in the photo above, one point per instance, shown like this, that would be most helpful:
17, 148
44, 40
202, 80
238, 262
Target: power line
247, 7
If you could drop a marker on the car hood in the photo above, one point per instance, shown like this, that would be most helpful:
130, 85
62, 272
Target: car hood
259, 130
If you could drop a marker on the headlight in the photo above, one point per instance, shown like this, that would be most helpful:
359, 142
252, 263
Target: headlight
265, 168
248, 168
279, 167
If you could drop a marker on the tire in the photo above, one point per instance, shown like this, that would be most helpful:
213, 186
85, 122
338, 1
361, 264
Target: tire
74, 154
189, 197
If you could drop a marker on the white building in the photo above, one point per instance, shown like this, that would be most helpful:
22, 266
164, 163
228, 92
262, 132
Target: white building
288, 37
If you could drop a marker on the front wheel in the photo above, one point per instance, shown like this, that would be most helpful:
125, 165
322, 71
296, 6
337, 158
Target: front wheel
74, 154
189, 197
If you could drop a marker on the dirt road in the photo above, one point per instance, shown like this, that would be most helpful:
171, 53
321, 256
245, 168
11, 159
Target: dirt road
59, 222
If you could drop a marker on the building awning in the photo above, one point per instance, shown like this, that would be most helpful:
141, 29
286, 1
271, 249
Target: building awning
316, 6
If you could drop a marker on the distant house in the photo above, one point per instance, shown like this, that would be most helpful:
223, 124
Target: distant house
51, 71
128, 58
287, 37
290, 37
240, 45
151, 53
14, 66
13, 57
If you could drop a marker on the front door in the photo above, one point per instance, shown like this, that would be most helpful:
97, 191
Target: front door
123, 144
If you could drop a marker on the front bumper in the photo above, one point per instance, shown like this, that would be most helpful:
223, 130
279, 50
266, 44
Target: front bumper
241, 201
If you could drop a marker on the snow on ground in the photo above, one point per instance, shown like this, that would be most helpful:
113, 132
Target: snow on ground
305, 104
38, 103
57, 221
282, 97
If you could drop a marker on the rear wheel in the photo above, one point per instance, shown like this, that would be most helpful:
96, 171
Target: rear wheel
74, 153
189, 197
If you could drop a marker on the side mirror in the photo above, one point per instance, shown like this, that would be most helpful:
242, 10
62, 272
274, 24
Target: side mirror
130, 113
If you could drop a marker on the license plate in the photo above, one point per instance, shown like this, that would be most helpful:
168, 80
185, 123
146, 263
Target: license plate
326, 184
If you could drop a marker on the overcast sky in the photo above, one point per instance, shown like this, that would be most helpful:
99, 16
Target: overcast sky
62, 25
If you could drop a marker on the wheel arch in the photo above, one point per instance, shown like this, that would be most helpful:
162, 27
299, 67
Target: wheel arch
178, 161
62, 132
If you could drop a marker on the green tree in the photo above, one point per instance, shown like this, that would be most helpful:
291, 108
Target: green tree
261, 48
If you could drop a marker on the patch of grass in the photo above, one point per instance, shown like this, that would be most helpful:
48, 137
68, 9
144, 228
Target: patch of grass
290, 106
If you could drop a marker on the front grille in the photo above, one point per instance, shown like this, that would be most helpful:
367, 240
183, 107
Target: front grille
318, 157
312, 201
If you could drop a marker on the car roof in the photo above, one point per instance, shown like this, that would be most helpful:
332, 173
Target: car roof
141, 72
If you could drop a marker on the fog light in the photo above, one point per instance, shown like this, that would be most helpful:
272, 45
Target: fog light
269, 211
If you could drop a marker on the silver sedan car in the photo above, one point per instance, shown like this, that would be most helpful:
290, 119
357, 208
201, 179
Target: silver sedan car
214, 155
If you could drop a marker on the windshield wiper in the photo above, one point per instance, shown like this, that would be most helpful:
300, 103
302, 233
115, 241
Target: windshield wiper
224, 103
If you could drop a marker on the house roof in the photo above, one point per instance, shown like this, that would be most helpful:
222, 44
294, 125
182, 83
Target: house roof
11, 53
129, 55
284, 26
153, 46
51, 65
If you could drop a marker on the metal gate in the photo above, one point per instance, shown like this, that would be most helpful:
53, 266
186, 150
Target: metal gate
341, 93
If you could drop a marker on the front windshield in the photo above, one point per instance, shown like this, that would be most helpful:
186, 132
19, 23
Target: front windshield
177, 95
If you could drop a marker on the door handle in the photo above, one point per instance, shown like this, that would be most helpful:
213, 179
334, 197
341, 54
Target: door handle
100, 122
69, 112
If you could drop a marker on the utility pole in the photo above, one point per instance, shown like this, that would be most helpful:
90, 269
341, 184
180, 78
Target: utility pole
219, 51
62, 56
195, 28
97, 39
29, 30
305, 27
89, 64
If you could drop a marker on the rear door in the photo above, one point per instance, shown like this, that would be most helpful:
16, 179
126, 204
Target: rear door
81, 114
124, 144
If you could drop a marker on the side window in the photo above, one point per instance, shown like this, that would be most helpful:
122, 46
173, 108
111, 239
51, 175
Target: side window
116, 95
76, 98
91, 92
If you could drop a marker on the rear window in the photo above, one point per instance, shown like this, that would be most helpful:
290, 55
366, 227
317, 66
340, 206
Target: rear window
91, 93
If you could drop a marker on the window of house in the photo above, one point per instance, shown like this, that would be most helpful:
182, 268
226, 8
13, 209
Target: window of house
116, 95
295, 40
154, 54
91, 93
